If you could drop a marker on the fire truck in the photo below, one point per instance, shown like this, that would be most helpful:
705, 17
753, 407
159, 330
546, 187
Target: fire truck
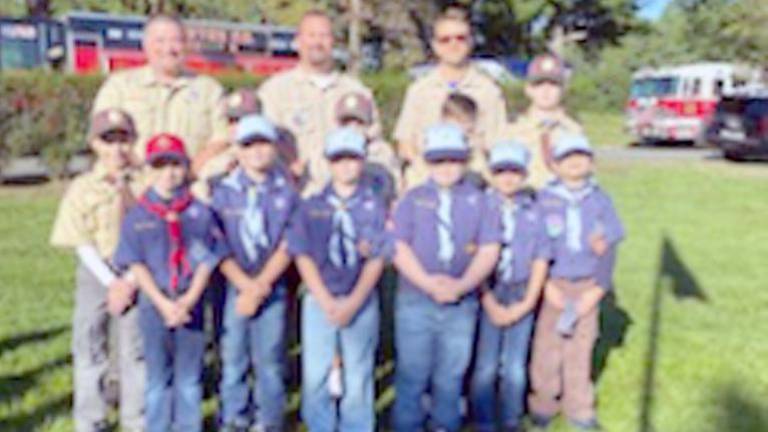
674, 104
87, 42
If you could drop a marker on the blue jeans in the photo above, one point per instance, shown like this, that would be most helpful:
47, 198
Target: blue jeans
434, 347
502, 359
357, 343
174, 362
254, 343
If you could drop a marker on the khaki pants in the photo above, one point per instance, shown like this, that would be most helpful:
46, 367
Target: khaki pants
561, 367
90, 353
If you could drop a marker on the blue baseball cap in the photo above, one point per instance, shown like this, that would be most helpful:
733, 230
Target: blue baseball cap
345, 141
255, 126
569, 144
509, 155
445, 141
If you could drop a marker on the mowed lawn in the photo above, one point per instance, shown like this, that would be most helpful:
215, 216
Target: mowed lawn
684, 346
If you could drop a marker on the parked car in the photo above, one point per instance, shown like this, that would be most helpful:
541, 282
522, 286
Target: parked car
740, 126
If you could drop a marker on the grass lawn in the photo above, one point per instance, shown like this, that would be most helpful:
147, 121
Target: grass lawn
684, 347
605, 128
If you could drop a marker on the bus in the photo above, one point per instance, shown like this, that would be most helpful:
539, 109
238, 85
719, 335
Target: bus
31, 43
91, 42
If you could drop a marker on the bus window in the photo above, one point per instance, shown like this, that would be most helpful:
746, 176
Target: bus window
696, 87
248, 42
20, 46
281, 44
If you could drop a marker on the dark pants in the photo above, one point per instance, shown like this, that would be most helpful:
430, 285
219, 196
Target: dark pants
561, 367
174, 359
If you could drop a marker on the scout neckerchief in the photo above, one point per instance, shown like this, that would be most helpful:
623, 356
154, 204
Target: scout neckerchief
445, 246
178, 264
573, 219
341, 248
547, 126
508, 212
252, 229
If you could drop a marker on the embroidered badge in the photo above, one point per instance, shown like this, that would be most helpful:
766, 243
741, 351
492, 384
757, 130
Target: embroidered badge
235, 100
115, 117
555, 225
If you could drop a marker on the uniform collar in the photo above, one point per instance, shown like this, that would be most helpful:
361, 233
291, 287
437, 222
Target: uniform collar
522, 199
240, 181
154, 197
148, 78
101, 173
306, 76
359, 192
469, 80
432, 185
541, 120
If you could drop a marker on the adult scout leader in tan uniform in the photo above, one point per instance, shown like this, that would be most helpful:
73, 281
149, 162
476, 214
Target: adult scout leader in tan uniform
163, 96
424, 99
303, 101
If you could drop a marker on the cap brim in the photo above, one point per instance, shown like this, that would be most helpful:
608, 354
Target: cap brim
101, 133
344, 153
168, 155
508, 166
567, 153
353, 116
256, 137
537, 79
438, 155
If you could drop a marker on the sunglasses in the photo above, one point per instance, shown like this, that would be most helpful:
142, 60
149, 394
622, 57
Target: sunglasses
458, 38
116, 137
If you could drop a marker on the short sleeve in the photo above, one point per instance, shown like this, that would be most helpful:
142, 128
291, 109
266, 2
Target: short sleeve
128, 247
612, 228
404, 127
403, 220
69, 228
296, 235
490, 224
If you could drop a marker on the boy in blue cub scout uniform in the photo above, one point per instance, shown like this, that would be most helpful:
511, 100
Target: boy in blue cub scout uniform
338, 239
171, 243
447, 241
510, 296
254, 204
584, 231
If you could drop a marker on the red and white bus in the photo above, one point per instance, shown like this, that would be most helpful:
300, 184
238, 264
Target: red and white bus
99, 43
674, 104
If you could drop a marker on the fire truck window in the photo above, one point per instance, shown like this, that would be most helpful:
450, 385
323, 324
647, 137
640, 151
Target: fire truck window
696, 87
248, 42
718, 87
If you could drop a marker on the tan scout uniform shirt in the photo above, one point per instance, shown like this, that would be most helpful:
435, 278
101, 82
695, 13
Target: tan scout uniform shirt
423, 106
190, 107
292, 100
90, 213
530, 130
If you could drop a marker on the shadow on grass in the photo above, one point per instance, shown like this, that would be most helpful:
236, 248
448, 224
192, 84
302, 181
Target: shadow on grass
677, 276
738, 412
614, 324
32, 421
16, 341
16, 385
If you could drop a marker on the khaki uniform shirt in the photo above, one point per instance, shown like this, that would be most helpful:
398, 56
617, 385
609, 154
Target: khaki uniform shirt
90, 213
423, 106
295, 102
530, 130
190, 107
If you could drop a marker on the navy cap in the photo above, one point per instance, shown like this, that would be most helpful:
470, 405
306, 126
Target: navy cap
345, 141
445, 141
509, 155
569, 144
255, 126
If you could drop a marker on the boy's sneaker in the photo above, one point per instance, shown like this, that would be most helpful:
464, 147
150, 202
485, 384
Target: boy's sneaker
585, 425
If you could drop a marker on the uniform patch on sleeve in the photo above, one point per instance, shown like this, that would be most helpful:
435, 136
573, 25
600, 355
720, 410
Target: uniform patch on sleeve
555, 225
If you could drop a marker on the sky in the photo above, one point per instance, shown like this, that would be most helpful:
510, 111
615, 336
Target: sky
653, 9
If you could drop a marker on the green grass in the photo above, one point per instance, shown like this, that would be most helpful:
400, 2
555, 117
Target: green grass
710, 355
605, 128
